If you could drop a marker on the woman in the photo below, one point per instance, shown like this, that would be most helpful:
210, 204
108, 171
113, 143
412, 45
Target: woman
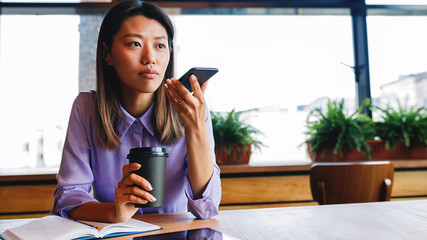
135, 106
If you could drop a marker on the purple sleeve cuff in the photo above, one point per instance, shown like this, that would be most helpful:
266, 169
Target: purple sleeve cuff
207, 206
68, 198
202, 208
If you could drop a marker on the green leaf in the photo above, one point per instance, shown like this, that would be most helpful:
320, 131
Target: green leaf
229, 129
336, 130
407, 125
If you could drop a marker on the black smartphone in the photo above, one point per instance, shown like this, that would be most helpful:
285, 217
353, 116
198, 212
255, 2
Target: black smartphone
194, 234
202, 74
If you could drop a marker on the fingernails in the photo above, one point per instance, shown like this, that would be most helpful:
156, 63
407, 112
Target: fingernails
152, 199
149, 187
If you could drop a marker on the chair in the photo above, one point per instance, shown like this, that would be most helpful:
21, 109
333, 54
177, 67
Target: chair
351, 182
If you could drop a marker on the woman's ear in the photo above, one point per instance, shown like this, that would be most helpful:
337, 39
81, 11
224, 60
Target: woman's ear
106, 53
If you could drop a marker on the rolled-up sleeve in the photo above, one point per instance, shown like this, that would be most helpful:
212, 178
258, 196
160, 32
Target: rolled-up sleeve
207, 206
75, 176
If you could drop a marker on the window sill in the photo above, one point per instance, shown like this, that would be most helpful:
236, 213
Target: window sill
26, 175
278, 167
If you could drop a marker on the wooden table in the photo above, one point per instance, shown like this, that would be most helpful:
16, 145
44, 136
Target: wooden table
383, 220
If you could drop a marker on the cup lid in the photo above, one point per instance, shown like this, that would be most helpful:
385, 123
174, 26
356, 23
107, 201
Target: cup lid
143, 151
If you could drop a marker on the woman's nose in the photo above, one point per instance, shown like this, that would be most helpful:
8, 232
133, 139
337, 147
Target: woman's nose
148, 56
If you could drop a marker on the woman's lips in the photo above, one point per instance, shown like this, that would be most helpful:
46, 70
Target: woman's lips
149, 74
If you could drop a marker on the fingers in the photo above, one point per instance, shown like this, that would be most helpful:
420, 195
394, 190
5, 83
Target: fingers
180, 93
130, 199
133, 188
172, 94
197, 91
134, 194
134, 179
190, 107
204, 86
177, 90
129, 168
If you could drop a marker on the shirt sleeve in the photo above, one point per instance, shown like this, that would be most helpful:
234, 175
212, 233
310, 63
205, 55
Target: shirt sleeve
75, 176
207, 206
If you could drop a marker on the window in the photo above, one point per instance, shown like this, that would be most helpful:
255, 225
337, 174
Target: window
39, 74
276, 64
274, 68
55, 1
398, 65
397, 2
268, 64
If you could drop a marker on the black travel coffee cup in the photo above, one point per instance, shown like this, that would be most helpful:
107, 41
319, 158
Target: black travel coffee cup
153, 169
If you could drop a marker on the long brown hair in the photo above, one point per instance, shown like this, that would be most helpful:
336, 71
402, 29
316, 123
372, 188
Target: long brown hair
167, 123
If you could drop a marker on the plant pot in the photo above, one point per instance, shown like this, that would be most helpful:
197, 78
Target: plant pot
238, 154
344, 155
378, 150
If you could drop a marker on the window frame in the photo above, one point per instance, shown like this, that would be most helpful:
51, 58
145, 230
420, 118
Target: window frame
357, 8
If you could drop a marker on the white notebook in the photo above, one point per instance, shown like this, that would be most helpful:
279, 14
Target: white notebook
58, 228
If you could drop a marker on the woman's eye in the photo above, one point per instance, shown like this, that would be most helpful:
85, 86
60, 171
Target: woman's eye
135, 44
161, 46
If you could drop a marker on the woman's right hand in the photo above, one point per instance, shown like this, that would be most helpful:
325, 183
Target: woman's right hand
131, 189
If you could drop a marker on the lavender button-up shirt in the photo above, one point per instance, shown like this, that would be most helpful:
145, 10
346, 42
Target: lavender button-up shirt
86, 166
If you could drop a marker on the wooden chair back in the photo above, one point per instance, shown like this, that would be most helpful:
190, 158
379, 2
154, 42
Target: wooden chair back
351, 182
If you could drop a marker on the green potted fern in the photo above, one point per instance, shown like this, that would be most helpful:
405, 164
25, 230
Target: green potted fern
402, 133
234, 138
334, 135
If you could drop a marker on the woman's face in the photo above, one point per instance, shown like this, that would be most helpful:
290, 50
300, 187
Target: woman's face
139, 54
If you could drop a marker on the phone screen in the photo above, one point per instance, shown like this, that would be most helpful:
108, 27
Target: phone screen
202, 74
194, 234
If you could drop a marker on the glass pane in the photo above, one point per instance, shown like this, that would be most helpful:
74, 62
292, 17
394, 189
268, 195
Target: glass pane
274, 68
397, 2
39, 76
55, 1
398, 63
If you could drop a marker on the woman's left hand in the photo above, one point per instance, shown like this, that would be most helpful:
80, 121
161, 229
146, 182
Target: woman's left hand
190, 107
192, 111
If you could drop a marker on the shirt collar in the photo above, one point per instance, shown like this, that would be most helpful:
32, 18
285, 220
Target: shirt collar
147, 120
